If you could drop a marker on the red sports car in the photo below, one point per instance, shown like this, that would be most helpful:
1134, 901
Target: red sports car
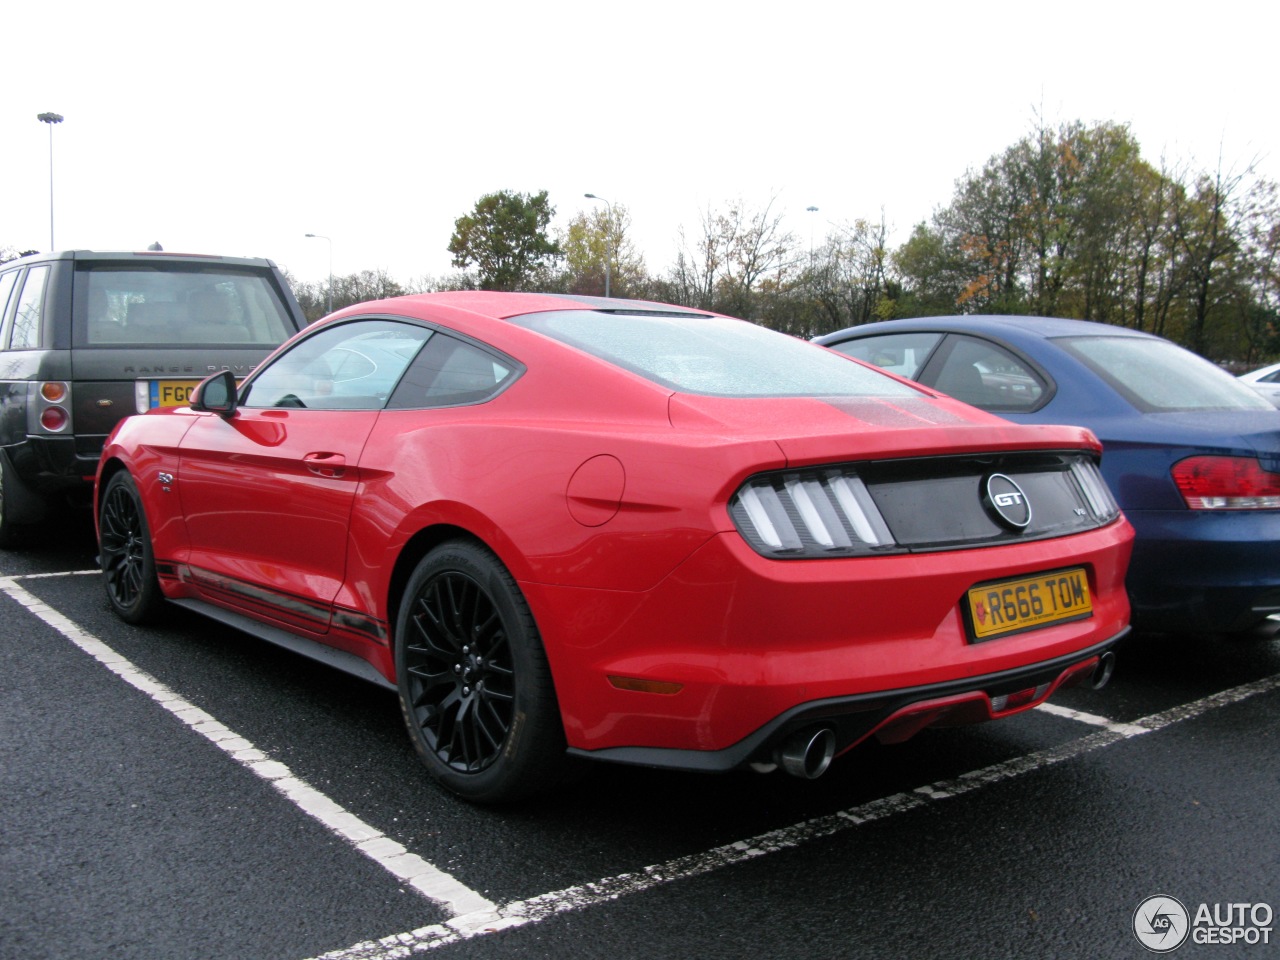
575, 527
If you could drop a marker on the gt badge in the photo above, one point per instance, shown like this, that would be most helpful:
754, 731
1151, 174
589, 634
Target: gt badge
1006, 502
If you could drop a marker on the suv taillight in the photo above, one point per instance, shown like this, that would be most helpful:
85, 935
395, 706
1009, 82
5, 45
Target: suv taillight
1226, 483
49, 406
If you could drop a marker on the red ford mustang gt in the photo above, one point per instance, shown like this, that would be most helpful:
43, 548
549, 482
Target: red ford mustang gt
564, 526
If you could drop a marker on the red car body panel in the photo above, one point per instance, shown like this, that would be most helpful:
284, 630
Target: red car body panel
606, 496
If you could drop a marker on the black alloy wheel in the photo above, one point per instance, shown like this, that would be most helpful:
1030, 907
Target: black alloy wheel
128, 564
475, 687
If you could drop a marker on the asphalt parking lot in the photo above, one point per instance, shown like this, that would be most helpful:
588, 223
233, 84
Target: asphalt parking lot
188, 792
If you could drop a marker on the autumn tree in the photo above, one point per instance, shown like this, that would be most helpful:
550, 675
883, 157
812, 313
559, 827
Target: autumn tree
505, 239
592, 238
741, 258
849, 279
314, 296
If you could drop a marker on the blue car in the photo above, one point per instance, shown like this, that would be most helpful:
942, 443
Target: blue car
1192, 454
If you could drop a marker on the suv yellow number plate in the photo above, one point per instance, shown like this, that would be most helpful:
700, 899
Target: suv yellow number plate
172, 393
1012, 606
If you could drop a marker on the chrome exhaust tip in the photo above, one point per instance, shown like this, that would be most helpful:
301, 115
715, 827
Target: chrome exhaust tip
807, 753
1102, 672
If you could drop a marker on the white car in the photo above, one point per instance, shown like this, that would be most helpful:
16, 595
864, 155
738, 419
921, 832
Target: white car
1266, 381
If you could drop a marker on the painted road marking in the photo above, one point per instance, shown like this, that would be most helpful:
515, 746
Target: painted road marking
422, 876
1105, 722
521, 913
474, 916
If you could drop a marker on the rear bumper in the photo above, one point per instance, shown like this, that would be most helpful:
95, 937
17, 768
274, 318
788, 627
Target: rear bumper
892, 715
1204, 571
732, 644
49, 464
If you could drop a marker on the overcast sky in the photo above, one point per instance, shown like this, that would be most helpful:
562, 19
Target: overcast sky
237, 128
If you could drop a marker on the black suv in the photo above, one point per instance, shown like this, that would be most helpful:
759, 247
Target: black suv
89, 338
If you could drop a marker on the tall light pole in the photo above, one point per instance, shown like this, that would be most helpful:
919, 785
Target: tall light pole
608, 238
50, 119
321, 236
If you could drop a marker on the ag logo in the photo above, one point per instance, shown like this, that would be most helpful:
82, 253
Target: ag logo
1006, 502
1161, 924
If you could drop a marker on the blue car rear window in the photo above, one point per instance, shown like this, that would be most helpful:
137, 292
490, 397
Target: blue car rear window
1156, 375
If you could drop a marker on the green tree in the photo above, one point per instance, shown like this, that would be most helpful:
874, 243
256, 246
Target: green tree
590, 238
505, 239
932, 273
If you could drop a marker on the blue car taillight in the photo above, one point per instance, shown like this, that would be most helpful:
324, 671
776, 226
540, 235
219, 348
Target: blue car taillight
1226, 483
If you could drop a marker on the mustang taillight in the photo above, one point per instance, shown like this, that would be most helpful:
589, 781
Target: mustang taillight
1227, 483
1097, 494
810, 513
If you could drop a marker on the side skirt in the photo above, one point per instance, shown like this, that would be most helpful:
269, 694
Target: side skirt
330, 656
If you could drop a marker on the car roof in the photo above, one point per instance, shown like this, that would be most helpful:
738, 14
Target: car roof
138, 256
1044, 327
502, 305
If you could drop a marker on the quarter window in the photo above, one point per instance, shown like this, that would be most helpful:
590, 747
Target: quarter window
988, 376
450, 372
26, 320
900, 353
6, 288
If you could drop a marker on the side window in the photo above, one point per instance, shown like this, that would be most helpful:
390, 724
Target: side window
26, 319
988, 376
449, 372
353, 366
900, 353
6, 289
1269, 378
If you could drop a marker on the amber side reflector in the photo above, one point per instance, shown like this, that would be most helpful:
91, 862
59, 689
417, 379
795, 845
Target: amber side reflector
53, 391
646, 686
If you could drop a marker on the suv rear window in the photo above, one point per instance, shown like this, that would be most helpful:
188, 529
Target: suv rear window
164, 305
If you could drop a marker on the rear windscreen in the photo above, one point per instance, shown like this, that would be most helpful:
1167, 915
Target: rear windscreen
1157, 376
714, 356
166, 304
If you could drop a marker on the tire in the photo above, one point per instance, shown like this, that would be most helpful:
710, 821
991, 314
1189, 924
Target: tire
12, 535
475, 687
128, 563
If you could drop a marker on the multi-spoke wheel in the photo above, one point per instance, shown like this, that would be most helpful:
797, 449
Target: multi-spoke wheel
128, 565
474, 683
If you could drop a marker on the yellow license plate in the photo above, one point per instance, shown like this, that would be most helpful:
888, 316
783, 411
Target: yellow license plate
172, 393
1012, 606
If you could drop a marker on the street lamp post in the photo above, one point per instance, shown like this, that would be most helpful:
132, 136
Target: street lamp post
321, 236
50, 119
608, 238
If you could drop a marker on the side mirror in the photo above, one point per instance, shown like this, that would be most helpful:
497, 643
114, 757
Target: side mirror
216, 394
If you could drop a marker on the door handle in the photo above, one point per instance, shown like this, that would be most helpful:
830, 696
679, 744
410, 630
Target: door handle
328, 465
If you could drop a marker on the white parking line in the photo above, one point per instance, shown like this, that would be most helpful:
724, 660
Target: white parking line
474, 916
428, 880
521, 913
1127, 729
